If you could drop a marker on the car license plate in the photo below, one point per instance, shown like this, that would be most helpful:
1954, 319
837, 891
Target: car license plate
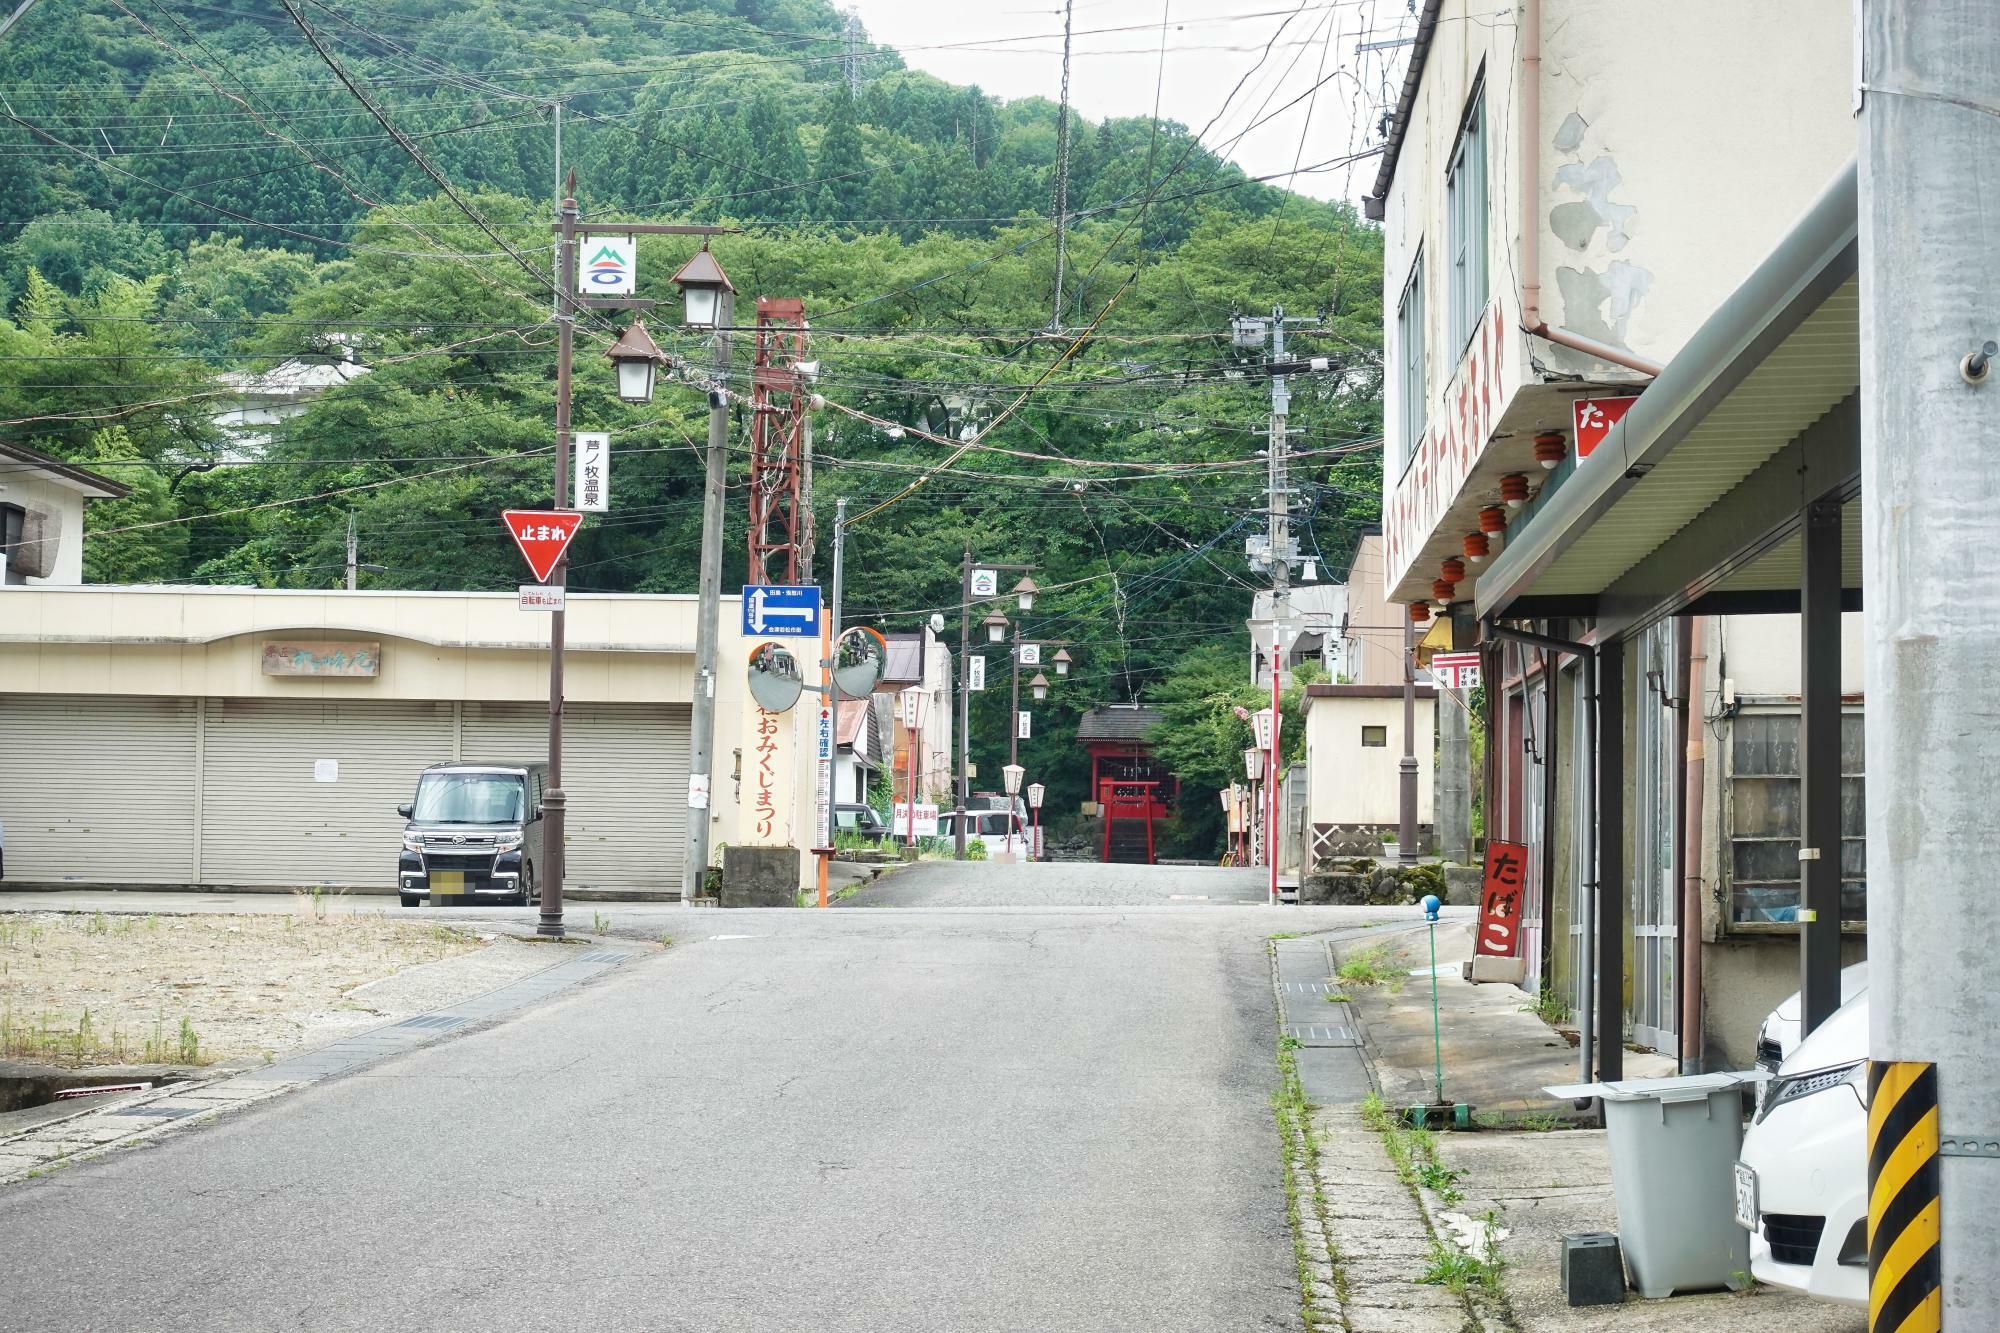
1746, 1197
447, 881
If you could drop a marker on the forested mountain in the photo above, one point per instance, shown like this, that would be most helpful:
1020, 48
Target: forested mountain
192, 190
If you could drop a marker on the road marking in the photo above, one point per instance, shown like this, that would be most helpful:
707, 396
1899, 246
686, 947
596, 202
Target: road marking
732, 937
1187, 897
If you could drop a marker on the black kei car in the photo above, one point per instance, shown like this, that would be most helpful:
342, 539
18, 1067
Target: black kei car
474, 834
861, 819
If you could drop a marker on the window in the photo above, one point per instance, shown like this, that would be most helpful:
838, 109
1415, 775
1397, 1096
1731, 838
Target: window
1410, 342
1764, 818
1465, 225
13, 519
1375, 738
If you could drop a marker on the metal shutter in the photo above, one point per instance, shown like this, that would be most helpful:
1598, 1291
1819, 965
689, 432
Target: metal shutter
97, 790
266, 820
625, 773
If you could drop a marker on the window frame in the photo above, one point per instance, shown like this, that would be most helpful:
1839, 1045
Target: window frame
1411, 353
14, 521
1468, 191
1751, 706
1381, 744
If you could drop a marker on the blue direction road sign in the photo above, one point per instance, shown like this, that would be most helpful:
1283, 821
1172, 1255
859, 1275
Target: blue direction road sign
780, 609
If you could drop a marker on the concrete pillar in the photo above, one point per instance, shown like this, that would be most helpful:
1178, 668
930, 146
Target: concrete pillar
1930, 294
1454, 776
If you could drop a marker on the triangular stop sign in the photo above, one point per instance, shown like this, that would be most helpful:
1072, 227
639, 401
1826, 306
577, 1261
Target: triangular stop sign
543, 535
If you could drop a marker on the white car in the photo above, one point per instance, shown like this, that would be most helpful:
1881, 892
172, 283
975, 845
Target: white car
1802, 1175
1780, 1032
986, 826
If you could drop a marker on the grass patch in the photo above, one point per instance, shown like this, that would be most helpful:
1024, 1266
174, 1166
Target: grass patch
1299, 1145
1550, 1006
1286, 935
1461, 1271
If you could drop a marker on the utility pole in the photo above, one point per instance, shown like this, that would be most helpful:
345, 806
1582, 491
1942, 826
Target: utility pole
1406, 770
353, 551
708, 630
1253, 331
964, 696
829, 795
1930, 400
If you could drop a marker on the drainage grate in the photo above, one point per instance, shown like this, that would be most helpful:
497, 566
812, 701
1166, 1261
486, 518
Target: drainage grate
432, 1022
1321, 1034
1304, 987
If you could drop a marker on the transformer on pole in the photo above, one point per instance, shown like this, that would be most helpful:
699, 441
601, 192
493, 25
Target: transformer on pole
780, 445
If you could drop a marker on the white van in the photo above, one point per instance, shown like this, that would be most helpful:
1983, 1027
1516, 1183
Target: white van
986, 826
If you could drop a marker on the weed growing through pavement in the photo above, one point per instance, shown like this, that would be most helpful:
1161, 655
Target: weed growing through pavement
1370, 966
1550, 1006
1285, 935
599, 923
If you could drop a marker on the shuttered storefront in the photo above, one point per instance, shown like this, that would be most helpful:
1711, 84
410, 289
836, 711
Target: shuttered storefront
267, 819
97, 790
625, 772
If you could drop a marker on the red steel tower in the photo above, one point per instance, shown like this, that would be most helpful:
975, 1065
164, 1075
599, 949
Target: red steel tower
780, 449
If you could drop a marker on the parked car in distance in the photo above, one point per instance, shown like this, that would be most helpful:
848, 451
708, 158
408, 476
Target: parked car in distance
987, 826
1780, 1032
1802, 1173
474, 833
862, 819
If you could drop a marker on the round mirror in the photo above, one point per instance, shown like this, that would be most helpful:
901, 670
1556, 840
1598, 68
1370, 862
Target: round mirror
775, 682
859, 655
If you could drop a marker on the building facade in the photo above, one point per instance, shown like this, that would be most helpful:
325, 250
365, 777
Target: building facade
1555, 241
41, 516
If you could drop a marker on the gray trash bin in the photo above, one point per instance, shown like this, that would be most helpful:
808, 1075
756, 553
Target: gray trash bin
1674, 1143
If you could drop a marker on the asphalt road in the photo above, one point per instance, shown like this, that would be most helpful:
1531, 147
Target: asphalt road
980, 1106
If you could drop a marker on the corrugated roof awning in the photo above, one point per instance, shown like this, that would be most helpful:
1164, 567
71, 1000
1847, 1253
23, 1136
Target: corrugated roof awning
1697, 494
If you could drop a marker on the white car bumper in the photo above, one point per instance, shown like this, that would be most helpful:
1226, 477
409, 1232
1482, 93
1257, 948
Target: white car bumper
1811, 1160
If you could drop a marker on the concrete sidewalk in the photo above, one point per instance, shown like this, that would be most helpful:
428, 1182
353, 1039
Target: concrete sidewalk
1498, 1055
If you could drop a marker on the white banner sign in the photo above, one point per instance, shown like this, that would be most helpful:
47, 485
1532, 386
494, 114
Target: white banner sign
541, 597
985, 583
1021, 724
697, 791
975, 673
910, 702
1456, 671
1031, 654
592, 491
609, 266
926, 823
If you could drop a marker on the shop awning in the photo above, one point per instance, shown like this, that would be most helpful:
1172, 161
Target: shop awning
1694, 500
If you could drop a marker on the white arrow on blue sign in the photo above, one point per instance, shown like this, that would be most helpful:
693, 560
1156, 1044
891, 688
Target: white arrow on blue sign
785, 610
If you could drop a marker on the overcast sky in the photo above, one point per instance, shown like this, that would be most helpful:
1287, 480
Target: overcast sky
1013, 48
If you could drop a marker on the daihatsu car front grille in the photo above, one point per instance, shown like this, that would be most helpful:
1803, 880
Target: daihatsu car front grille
1794, 1237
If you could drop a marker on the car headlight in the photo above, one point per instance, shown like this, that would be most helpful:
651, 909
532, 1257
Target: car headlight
507, 842
1790, 1089
412, 843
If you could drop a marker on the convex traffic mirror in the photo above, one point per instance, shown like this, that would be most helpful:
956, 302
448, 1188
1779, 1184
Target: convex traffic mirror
859, 656
775, 682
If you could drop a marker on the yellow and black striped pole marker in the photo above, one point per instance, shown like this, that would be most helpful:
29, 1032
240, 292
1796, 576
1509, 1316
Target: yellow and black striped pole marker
1905, 1276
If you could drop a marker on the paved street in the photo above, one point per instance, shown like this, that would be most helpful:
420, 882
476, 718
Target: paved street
1009, 1098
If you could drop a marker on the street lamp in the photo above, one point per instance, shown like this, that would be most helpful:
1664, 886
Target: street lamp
1010, 778
996, 627
638, 360
1040, 685
1062, 661
1025, 592
702, 283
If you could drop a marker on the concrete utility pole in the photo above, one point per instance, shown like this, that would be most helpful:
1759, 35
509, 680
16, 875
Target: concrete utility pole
1930, 419
555, 800
708, 630
1406, 769
964, 696
353, 551
1454, 776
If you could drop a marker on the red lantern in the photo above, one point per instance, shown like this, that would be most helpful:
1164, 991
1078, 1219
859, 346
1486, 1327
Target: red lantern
1476, 546
1492, 520
1550, 449
1514, 489
1441, 592
1419, 612
1453, 569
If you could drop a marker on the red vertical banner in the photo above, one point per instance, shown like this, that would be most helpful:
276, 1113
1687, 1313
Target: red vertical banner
1500, 896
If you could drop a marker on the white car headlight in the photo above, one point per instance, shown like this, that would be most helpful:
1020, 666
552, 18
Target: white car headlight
412, 842
1791, 1088
507, 842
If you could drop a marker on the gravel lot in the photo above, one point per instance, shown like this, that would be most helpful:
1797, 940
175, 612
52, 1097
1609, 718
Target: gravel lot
100, 988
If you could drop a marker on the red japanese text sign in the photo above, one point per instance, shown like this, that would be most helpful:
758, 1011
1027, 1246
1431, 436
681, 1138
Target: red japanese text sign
1501, 896
1593, 419
543, 535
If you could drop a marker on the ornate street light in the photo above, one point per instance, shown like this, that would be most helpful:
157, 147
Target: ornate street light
638, 360
1010, 774
1062, 661
1025, 592
996, 627
1040, 685
702, 283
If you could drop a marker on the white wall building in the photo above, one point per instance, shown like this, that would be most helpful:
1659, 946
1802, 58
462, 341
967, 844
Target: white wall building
41, 516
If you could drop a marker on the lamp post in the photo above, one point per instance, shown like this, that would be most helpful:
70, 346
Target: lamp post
1010, 779
644, 365
708, 302
996, 632
1253, 769
1035, 791
913, 700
